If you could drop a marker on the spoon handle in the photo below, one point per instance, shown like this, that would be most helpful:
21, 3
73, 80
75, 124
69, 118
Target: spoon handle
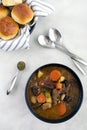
72, 55
75, 57
12, 84
79, 68
65, 50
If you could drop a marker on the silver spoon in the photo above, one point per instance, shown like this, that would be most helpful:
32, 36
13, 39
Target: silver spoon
46, 42
20, 67
56, 37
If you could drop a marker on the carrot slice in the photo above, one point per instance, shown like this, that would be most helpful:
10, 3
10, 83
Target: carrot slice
55, 75
59, 85
61, 109
41, 98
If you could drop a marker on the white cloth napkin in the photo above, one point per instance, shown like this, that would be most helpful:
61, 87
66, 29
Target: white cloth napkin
41, 9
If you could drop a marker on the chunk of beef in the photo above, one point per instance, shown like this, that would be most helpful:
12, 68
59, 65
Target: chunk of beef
49, 85
66, 83
36, 105
67, 98
55, 95
36, 90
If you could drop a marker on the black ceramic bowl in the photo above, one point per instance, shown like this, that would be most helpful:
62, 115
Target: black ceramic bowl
76, 98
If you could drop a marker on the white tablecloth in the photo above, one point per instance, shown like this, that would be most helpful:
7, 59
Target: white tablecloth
70, 17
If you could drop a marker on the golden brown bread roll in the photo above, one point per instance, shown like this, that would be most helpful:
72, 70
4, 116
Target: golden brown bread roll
8, 28
3, 11
11, 2
22, 13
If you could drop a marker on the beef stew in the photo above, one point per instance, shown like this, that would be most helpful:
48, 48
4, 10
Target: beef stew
54, 93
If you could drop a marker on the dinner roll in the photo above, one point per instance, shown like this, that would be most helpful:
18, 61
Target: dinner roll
8, 28
11, 2
22, 13
3, 11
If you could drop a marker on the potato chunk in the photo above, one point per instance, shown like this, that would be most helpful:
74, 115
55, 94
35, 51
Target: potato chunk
40, 74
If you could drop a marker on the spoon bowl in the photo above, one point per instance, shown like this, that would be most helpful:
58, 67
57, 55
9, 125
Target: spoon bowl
45, 41
55, 35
